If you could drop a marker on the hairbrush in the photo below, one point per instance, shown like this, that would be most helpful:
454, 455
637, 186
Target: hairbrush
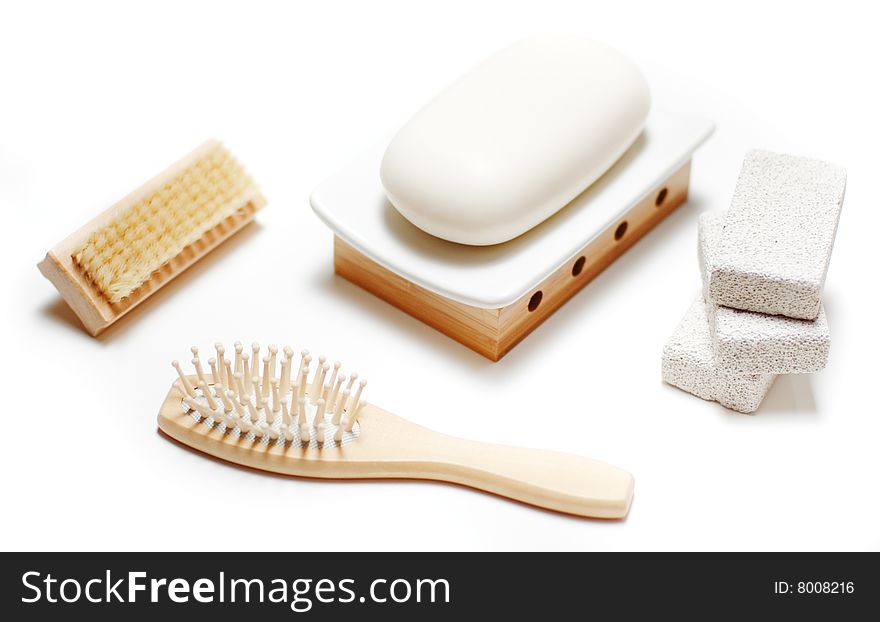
311, 421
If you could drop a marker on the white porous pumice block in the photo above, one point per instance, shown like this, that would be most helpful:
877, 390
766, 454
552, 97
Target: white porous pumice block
514, 140
689, 363
774, 249
754, 342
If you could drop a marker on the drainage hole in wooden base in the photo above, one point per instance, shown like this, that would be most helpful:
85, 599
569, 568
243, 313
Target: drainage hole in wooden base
661, 196
535, 300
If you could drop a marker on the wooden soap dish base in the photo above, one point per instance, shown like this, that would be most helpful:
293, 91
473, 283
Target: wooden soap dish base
494, 332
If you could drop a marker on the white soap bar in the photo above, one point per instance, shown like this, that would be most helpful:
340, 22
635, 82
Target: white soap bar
515, 139
774, 249
754, 342
689, 364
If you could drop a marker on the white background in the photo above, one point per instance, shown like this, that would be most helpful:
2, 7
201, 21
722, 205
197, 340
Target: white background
97, 97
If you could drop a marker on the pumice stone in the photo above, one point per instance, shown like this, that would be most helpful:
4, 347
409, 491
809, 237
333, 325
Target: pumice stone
774, 249
514, 140
755, 342
689, 363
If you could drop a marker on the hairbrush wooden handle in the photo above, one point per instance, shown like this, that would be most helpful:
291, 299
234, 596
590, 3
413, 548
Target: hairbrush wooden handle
548, 479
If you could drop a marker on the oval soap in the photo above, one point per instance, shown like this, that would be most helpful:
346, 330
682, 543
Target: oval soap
515, 139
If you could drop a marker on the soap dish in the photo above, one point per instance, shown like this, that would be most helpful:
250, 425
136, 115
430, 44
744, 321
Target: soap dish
491, 297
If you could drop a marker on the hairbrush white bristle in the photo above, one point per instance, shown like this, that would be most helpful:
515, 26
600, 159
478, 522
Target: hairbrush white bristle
271, 407
122, 256
306, 417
